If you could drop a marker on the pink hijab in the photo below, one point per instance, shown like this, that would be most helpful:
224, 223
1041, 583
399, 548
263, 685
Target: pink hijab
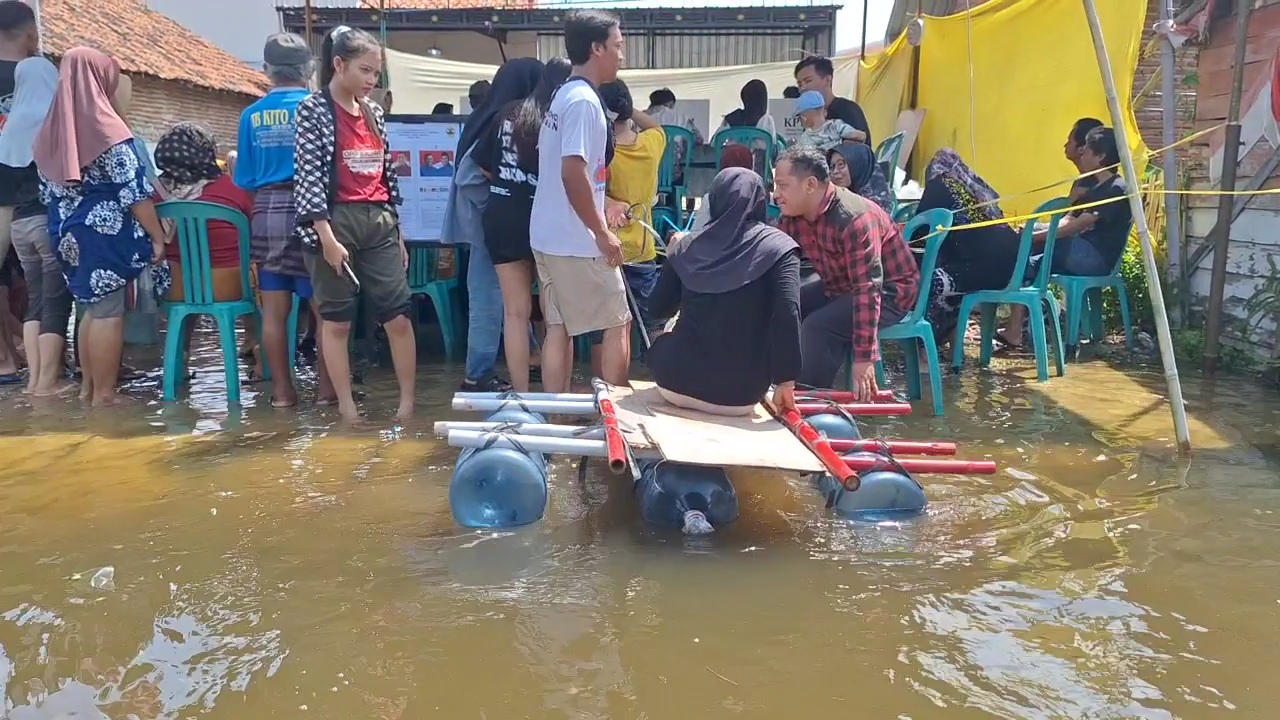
81, 124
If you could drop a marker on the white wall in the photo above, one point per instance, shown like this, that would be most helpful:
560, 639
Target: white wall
238, 26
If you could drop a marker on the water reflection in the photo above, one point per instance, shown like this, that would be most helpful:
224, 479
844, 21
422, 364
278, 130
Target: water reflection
273, 565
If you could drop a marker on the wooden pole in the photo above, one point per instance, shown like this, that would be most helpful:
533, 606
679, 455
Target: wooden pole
306, 22
865, 9
1226, 202
1134, 184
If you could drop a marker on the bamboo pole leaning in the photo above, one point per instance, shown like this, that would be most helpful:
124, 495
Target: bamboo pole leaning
1133, 185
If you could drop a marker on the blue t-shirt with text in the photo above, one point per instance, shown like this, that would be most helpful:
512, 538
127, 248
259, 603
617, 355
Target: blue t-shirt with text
265, 152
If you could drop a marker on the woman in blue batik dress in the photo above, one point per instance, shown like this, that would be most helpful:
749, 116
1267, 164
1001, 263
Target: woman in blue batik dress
102, 219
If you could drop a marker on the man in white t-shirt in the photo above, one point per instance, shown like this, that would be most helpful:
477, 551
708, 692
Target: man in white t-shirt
577, 255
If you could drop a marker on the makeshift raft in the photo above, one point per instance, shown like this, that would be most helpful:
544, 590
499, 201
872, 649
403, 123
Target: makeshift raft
639, 431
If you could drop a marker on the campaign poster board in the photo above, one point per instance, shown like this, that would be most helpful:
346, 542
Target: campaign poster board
422, 155
783, 111
697, 110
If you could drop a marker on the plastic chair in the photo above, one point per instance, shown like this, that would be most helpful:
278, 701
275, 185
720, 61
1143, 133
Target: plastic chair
1083, 296
667, 184
772, 212
1032, 295
754, 138
191, 218
422, 281
887, 154
914, 327
905, 211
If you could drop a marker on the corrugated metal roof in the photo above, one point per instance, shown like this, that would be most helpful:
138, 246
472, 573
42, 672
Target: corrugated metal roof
685, 51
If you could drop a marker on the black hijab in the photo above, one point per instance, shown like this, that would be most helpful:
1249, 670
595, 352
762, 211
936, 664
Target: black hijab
515, 80
865, 174
735, 247
755, 103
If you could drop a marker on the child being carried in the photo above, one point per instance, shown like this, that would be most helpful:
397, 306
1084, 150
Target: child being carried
819, 132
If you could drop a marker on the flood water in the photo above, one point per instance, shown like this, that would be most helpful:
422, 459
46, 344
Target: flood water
271, 565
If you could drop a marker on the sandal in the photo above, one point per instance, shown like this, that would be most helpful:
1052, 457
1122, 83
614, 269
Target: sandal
491, 384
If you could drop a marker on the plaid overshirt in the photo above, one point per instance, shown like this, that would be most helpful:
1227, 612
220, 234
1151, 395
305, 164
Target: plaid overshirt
855, 247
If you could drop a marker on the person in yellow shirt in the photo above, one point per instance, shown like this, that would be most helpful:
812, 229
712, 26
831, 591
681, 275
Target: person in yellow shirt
633, 181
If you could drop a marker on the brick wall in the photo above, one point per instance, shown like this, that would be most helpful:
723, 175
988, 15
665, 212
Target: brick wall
160, 104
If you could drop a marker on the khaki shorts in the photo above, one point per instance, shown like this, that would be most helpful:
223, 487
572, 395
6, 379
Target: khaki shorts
582, 294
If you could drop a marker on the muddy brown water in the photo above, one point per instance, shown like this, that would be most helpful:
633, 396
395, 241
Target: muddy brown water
273, 565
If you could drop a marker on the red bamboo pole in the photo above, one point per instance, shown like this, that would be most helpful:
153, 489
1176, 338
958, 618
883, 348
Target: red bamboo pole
843, 395
895, 447
854, 408
920, 465
615, 445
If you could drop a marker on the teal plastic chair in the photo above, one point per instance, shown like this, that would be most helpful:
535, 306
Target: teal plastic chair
754, 138
914, 328
1083, 296
423, 281
772, 212
191, 219
905, 211
1031, 295
887, 154
667, 177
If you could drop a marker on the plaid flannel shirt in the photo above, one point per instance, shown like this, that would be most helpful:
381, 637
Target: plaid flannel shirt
855, 247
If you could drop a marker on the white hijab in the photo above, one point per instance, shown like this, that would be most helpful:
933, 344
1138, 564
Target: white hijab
35, 81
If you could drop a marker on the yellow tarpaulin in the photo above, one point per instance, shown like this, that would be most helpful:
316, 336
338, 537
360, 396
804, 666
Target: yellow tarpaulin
1003, 85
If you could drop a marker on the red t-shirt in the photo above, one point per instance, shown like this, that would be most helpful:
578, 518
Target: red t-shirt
359, 170
224, 239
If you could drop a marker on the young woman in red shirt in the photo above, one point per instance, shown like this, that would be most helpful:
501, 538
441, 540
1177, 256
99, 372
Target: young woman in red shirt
347, 197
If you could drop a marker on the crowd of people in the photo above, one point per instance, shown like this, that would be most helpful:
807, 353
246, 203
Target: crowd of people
555, 177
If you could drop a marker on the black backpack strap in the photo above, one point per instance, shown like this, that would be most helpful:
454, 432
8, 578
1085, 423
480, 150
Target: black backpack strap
611, 142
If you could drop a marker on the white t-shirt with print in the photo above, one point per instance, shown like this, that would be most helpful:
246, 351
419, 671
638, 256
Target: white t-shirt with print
575, 126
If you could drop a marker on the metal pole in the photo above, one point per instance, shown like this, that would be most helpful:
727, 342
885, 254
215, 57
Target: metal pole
1133, 182
1230, 160
865, 4
1169, 108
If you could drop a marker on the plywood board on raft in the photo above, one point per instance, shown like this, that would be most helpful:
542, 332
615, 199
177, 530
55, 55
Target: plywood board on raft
687, 436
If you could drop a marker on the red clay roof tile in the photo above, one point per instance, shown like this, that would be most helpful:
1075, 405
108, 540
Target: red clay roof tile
145, 42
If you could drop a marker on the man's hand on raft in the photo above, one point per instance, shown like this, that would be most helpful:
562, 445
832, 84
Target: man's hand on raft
864, 381
784, 396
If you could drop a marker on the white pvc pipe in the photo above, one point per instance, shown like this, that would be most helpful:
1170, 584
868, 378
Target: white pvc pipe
558, 445
563, 397
443, 428
560, 407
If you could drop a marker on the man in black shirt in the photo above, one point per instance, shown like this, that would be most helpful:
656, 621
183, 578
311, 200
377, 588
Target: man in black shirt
816, 73
1073, 149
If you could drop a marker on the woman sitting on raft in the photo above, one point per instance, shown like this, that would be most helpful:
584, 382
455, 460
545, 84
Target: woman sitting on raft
736, 285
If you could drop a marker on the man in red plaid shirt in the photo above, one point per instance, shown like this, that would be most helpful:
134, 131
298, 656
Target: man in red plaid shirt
866, 277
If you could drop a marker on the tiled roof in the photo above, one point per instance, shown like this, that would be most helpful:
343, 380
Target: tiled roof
145, 42
451, 4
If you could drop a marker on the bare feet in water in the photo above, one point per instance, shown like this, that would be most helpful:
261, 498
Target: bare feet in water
65, 388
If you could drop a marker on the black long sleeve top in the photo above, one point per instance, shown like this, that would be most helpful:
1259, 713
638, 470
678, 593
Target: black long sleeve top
728, 348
